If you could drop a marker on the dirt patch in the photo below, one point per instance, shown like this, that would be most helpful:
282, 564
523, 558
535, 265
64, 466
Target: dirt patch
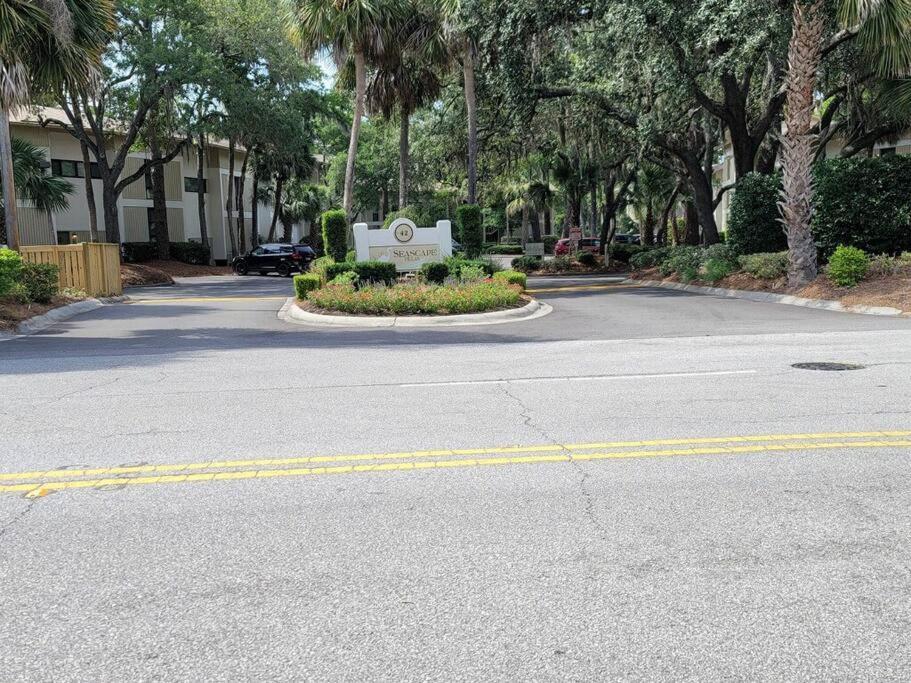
13, 313
141, 274
893, 291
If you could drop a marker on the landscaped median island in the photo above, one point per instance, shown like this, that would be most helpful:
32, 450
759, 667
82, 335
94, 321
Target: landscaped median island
373, 288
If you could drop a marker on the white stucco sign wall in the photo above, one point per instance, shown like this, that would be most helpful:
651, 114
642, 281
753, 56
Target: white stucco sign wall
404, 244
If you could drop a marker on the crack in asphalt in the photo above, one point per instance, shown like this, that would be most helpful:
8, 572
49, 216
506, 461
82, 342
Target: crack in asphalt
9, 524
588, 501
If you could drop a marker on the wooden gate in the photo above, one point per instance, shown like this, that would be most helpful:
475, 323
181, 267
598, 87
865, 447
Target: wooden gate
90, 266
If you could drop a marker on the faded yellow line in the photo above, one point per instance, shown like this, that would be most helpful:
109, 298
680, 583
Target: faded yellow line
439, 453
204, 299
579, 288
35, 489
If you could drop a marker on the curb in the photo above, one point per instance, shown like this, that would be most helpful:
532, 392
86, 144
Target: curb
769, 297
56, 315
292, 313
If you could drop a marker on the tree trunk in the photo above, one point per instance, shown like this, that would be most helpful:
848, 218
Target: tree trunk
109, 197
201, 191
287, 227
242, 219
279, 186
536, 225
663, 227
360, 89
647, 229
10, 210
691, 235
403, 157
254, 213
471, 108
804, 55
89, 192
384, 201
704, 199
593, 210
525, 224
547, 226
229, 202
159, 222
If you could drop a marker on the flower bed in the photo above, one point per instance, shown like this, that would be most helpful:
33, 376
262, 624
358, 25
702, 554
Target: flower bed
417, 299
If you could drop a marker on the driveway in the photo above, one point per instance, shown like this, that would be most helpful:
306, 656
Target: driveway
637, 485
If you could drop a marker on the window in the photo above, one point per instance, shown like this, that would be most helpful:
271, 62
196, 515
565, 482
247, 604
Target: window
887, 151
192, 185
65, 168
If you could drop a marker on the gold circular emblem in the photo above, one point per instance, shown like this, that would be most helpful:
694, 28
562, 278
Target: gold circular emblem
404, 232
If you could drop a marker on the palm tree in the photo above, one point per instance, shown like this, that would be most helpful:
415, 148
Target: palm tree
43, 46
650, 194
882, 29
354, 27
46, 193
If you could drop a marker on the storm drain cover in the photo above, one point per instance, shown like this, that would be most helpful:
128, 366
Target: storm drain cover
832, 367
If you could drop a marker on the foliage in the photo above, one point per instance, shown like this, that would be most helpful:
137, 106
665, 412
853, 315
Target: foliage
684, 261
351, 256
457, 263
754, 224
512, 277
47, 193
366, 272
715, 269
623, 253
434, 272
320, 266
335, 234
137, 252
847, 266
10, 268
550, 241
865, 203
558, 264
471, 273
883, 265
417, 299
769, 266
413, 213
40, 281
195, 253
471, 228
347, 277
305, 283
587, 259
526, 264
649, 258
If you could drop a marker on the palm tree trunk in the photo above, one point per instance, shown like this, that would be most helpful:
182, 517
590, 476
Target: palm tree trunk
229, 203
242, 218
10, 215
798, 140
201, 190
471, 107
360, 89
254, 212
279, 186
403, 157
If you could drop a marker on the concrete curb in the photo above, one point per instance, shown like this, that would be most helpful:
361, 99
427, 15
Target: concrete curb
769, 297
56, 315
292, 313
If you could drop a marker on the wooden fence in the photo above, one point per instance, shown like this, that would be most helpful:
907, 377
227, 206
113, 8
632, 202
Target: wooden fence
89, 266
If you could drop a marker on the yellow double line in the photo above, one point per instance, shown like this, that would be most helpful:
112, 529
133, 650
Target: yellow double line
41, 482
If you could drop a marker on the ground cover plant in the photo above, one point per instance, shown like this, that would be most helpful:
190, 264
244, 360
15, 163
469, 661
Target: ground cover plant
417, 298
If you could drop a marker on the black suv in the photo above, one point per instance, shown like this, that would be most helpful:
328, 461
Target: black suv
283, 259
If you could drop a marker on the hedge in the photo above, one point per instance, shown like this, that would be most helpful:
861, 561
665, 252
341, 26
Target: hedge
864, 203
335, 234
138, 252
40, 281
526, 264
512, 277
194, 253
471, 228
10, 268
368, 272
754, 224
307, 282
435, 272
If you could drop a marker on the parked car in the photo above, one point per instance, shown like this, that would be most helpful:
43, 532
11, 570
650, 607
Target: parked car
283, 259
592, 244
627, 239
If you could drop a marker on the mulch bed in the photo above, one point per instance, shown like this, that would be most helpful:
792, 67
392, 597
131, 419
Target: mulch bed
140, 275
180, 269
12, 313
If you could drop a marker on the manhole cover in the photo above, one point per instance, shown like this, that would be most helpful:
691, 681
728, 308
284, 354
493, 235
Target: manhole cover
832, 367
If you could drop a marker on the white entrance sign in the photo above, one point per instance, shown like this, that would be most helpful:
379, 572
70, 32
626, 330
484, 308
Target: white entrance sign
404, 244
534, 249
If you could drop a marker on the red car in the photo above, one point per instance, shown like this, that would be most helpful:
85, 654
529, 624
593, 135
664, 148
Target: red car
592, 244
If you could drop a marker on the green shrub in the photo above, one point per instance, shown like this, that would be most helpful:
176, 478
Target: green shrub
10, 268
333, 270
417, 299
456, 263
848, 266
623, 253
194, 253
307, 282
587, 259
557, 265
512, 277
883, 265
864, 203
351, 256
374, 272
138, 252
526, 264
434, 272
905, 257
319, 266
471, 273
765, 266
348, 277
649, 258
550, 241
335, 234
754, 223
505, 249
685, 261
471, 228
40, 280
716, 269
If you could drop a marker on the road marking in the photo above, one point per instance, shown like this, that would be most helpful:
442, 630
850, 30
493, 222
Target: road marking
204, 299
572, 378
580, 288
38, 488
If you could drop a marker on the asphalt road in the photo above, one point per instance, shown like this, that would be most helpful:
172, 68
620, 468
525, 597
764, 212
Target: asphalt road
638, 485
